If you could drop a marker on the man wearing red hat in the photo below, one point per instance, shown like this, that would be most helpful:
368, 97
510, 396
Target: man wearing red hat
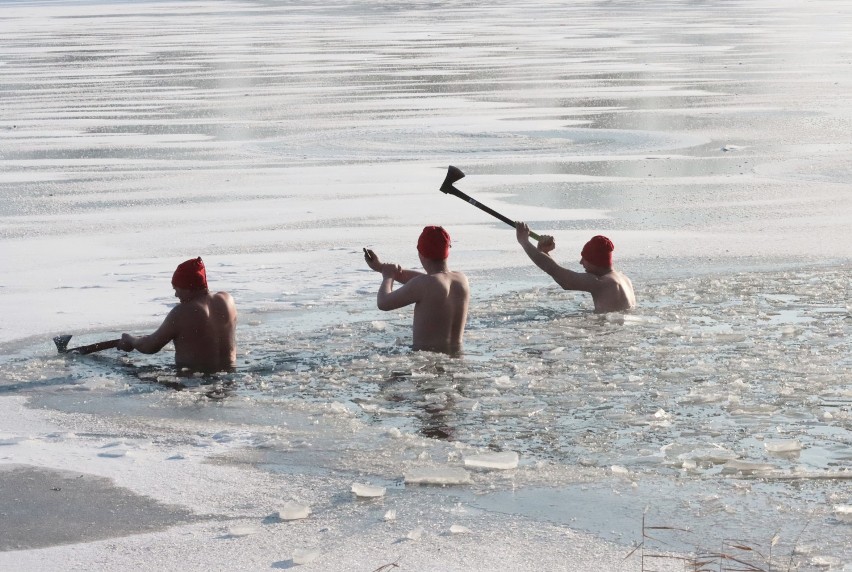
611, 290
202, 326
440, 296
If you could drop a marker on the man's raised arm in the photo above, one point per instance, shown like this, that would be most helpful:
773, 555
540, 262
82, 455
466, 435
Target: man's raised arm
567, 279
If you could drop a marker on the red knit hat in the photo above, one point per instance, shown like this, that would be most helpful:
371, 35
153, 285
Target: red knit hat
434, 243
190, 275
598, 251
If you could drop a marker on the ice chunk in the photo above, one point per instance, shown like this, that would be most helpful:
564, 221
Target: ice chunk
783, 446
843, 512
292, 510
240, 531
415, 534
368, 491
504, 460
438, 476
114, 453
390, 515
746, 467
619, 470
459, 529
305, 555
379, 326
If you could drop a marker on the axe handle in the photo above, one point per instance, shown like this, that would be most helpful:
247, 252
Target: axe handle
92, 348
480, 206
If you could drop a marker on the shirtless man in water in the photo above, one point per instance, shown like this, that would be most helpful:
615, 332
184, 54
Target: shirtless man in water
440, 296
202, 326
611, 290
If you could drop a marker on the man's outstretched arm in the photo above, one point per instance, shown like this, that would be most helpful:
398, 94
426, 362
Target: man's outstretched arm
567, 279
154, 342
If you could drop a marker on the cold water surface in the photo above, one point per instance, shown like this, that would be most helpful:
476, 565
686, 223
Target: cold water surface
723, 401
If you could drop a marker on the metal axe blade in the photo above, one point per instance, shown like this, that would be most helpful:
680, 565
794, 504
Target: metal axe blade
453, 175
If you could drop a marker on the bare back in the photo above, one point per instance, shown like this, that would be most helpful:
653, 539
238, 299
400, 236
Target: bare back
205, 338
440, 312
613, 292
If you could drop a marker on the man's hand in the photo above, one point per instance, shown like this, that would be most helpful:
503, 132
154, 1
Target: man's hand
127, 343
546, 243
372, 260
390, 270
522, 232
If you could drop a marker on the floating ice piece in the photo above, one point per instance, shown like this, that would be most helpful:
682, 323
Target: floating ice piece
390, 515
502, 461
240, 531
438, 476
731, 147
305, 555
114, 453
379, 326
843, 512
713, 455
782, 446
291, 510
746, 467
829, 562
368, 491
459, 529
415, 534
619, 470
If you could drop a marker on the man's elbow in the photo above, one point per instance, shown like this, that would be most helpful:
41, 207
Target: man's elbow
383, 305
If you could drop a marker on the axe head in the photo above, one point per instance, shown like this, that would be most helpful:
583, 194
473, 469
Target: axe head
62, 343
453, 175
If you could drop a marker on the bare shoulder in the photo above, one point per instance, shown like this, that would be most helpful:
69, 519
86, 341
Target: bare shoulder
223, 297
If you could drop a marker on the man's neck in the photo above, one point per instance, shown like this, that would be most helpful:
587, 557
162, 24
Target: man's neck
435, 266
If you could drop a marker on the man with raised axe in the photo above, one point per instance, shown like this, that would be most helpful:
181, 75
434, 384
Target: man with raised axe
202, 326
611, 290
440, 296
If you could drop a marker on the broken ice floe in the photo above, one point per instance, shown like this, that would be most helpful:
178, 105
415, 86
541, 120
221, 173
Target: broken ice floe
459, 529
368, 491
501, 461
619, 470
292, 510
114, 453
746, 467
415, 534
843, 512
390, 515
240, 531
783, 446
305, 555
438, 476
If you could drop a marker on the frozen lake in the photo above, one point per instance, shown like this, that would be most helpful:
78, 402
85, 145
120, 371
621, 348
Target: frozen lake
710, 142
